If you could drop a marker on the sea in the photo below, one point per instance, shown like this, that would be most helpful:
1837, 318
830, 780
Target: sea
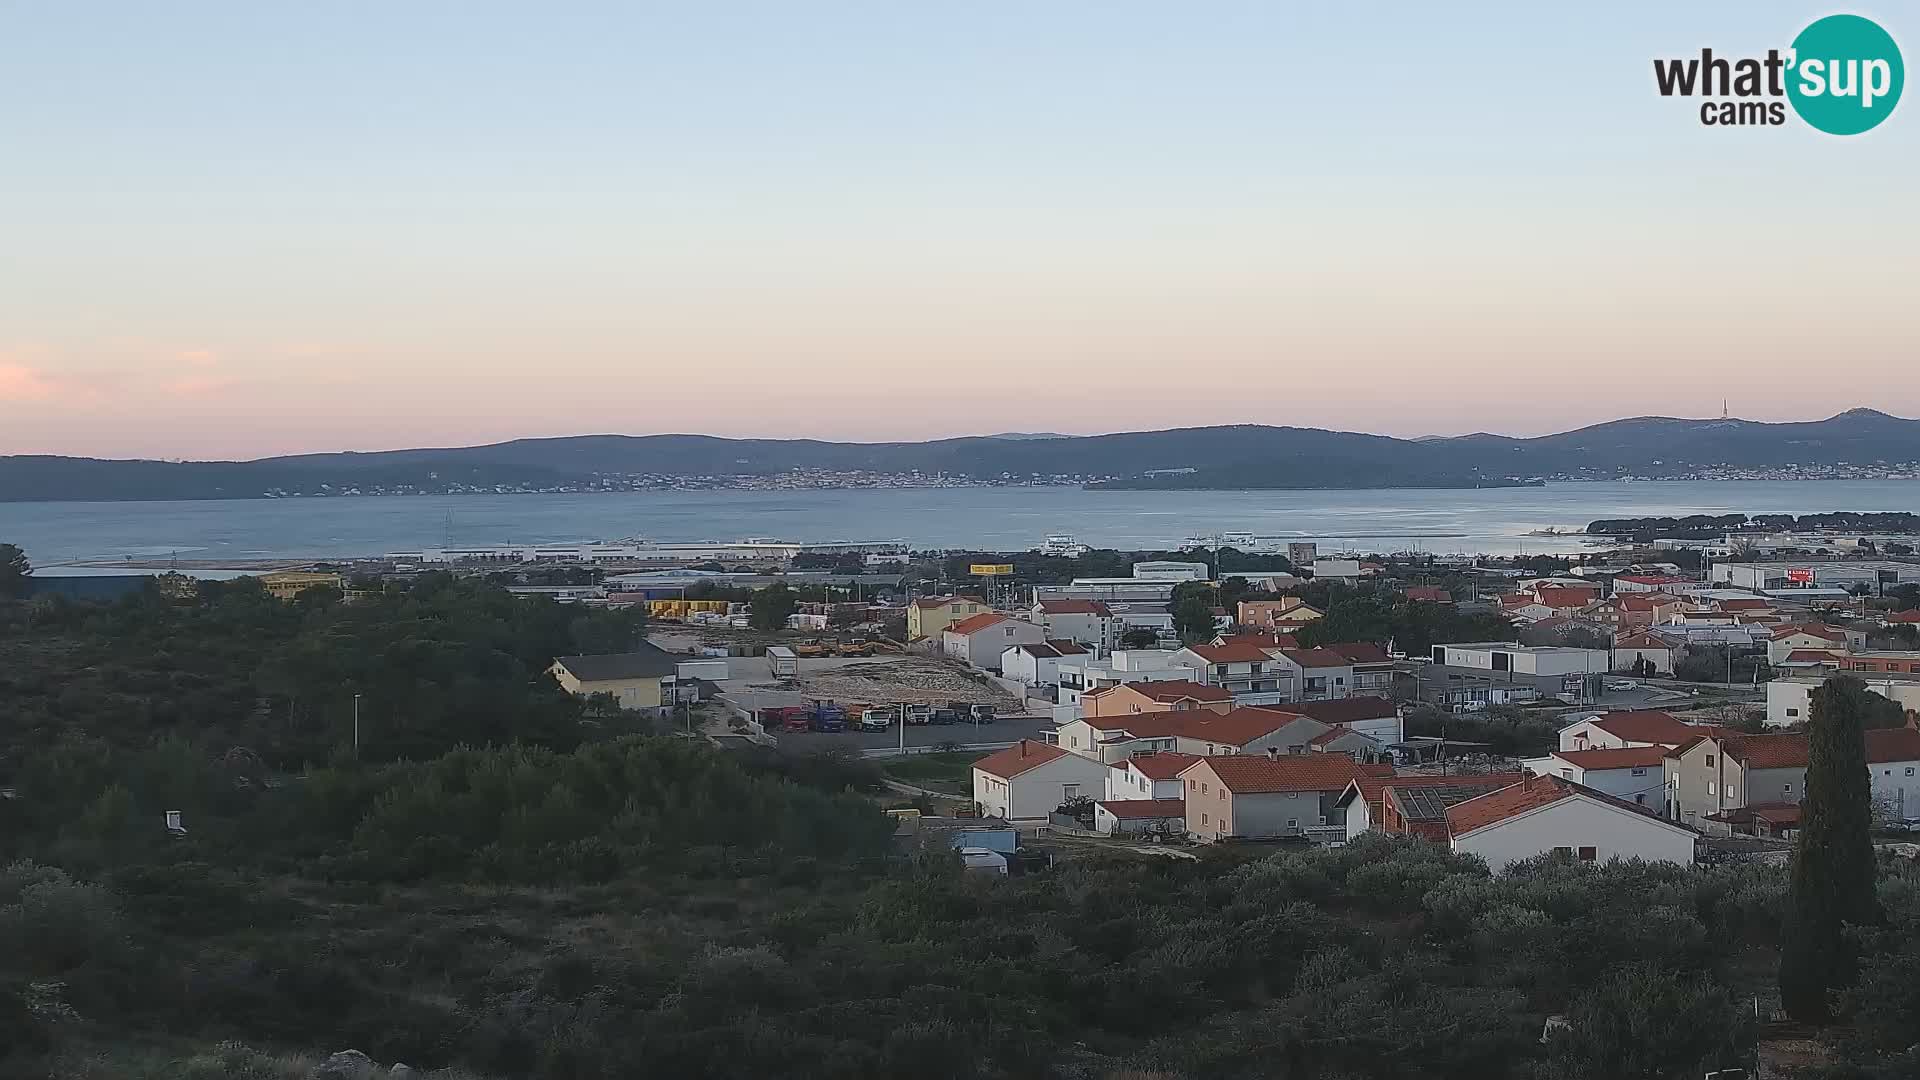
1493, 521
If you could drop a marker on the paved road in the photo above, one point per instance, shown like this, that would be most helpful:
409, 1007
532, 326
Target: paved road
1002, 732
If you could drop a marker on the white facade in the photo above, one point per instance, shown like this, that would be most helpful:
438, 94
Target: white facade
1790, 699
1080, 675
1027, 669
1035, 793
1124, 782
1643, 785
1586, 827
982, 647
1170, 571
1097, 632
1336, 569
1522, 659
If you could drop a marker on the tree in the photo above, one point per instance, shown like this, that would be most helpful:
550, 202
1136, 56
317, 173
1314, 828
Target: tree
1833, 863
1139, 637
771, 606
14, 571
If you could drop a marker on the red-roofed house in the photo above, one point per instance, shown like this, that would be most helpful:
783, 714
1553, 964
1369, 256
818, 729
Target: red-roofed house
1255, 796
1253, 674
978, 640
1195, 730
1028, 780
1646, 583
1727, 771
1287, 614
1901, 618
1632, 610
1372, 667
929, 615
1635, 773
1260, 639
1810, 636
1131, 816
1416, 805
1149, 774
1166, 695
1544, 814
1319, 674
1622, 729
1377, 718
1631, 648
1428, 594
1089, 622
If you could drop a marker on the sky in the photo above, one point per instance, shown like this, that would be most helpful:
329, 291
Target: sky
234, 229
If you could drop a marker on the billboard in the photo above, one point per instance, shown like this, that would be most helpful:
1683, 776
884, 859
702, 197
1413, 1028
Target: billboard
990, 569
1800, 575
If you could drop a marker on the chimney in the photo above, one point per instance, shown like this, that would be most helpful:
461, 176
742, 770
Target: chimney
1273, 751
1023, 748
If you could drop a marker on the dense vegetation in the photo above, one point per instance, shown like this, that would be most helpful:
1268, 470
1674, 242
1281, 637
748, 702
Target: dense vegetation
1710, 525
561, 897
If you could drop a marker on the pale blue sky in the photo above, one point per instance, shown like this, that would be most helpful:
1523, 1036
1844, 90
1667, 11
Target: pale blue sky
234, 229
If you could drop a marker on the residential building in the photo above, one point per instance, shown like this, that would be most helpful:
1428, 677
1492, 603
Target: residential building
1412, 805
1786, 639
1302, 552
1621, 730
1340, 739
1037, 664
1502, 657
1148, 775
1252, 674
1881, 662
1318, 674
1900, 618
1649, 583
1427, 594
1137, 816
1718, 773
1790, 697
1372, 667
637, 680
1247, 731
1083, 675
1126, 699
1543, 814
1469, 673
1029, 780
1814, 573
287, 584
1090, 622
1113, 739
1256, 796
1636, 774
1630, 649
928, 616
1288, 613
1377, 718
1627, 611
980, 640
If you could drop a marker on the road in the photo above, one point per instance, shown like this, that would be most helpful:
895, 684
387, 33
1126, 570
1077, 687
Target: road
1002, 732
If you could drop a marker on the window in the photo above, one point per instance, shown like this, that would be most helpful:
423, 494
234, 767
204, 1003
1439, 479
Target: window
1793, 712
1205, 790
1729, 791
1588, 854
1203, 819
1639, 772
1640, 798
1563, 851
1786, 789
1223, 794
1909, 770
1709, 761
1293, 823
1710, 790
1323, 819
1069, 791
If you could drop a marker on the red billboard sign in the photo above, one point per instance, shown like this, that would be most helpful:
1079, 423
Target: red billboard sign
1802, 576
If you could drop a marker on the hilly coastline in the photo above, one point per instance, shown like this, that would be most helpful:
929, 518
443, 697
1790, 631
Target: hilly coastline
1216, 458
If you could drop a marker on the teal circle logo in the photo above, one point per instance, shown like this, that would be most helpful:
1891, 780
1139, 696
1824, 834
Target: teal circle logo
1846, 74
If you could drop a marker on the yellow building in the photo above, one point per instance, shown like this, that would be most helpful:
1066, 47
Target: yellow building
931, 615
287, 584
636, 680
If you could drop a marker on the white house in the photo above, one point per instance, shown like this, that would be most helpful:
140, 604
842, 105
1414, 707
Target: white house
1090, 622
1081, 675
1037, 665
979, 640
1544, 814
1635, 774
1786, 639
1790, 697
1336, 569
1027, 780
1147, 775
1619, 730
1140, 816
1378, 718
1630, 649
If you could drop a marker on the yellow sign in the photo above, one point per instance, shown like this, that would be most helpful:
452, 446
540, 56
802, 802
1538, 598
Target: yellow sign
980, 569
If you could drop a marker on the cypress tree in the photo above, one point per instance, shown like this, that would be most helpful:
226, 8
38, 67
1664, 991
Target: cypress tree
1833, 861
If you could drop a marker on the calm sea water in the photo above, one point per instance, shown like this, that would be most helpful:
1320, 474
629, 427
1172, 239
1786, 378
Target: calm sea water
1494, 521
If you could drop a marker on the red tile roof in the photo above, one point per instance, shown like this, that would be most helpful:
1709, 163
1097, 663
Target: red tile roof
1333, 734
1236, 728
973, 623
1904, 616
1566, 597
1632, 757
1340, 710
1810, 629
1653, 579
1159, 765
1642, 640
1789, 750
1256, 774
1502, 803
1074, 607
1813, 656
1171, 690
1431, 593
1136, 809
1316, 658
1373, 788
1743, 604
1021, 757
1360, 652
1258, 641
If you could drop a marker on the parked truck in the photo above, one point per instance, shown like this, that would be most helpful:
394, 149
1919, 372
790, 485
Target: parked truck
827, 717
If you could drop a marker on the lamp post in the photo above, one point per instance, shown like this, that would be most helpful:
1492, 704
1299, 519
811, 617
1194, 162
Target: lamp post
356, 727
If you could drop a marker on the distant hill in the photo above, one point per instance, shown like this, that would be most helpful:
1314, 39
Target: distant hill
1238, 456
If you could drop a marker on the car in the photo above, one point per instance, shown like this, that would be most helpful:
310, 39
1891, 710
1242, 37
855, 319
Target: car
1618, 685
